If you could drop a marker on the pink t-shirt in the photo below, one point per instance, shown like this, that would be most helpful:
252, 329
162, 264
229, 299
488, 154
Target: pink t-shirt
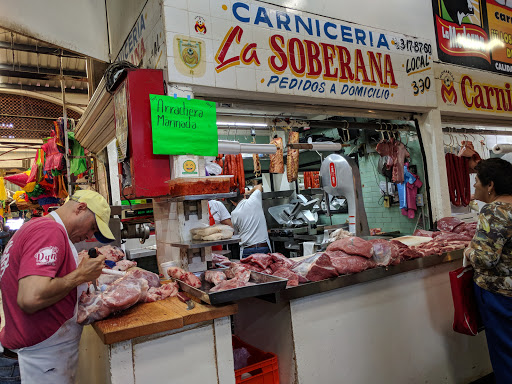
40, 247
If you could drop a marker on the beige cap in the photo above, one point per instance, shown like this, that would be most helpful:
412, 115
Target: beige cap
99, 206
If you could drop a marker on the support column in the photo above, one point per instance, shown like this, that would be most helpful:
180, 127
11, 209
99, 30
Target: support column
432, 135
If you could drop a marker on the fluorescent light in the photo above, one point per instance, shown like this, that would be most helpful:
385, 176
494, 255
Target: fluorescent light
242, 124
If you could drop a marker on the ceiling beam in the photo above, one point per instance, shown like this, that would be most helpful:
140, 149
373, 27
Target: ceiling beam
37, 76
35, 88
53, 51
43, 70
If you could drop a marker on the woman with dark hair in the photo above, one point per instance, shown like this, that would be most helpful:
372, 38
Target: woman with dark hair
490, 254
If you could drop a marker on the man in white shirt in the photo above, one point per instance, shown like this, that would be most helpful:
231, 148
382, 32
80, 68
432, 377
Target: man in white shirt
249, 221
220, 213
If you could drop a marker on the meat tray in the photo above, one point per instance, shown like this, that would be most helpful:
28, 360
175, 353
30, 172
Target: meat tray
265, 284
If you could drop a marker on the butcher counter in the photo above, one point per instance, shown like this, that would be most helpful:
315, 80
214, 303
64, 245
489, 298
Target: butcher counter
381, 325
384, 325
159, 342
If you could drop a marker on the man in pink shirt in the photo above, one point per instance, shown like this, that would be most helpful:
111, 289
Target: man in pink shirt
41, 282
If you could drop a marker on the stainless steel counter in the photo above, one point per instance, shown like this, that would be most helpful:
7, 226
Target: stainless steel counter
313, 288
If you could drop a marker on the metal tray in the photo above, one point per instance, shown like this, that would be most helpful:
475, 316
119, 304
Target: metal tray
265, 285
194, 244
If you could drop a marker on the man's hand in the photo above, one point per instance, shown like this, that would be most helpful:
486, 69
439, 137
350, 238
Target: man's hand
90, 269
38, 292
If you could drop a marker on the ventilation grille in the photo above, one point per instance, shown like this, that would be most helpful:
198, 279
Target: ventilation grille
12, 125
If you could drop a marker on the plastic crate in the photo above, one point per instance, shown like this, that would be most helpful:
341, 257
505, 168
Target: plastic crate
262, 366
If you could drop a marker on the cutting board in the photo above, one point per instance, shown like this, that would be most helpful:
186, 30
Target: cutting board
150, 318
413, 240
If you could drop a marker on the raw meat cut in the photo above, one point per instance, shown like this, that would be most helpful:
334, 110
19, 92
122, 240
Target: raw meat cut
422, 232
238, 271
230, 284
399, 155
293, 278
353, 246
214, 277
260, 259
292, 158
281, 260
111, 253
136, 286
182, 275
123, 265
256, 164
351, 264
276, 160
339, 234
315, 268
163, 292
255, 268
448, 224
385, 253
219, 259
405, 252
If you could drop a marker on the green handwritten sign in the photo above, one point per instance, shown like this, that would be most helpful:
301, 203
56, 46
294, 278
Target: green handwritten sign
183, 127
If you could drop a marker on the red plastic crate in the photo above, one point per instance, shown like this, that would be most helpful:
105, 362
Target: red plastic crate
262, 366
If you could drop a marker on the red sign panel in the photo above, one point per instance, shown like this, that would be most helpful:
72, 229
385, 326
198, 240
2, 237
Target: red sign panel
332, 171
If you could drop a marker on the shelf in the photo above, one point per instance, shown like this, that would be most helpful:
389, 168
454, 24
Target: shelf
202, 244
202, 197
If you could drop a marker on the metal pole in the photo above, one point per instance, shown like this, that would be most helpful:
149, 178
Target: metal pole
65, 117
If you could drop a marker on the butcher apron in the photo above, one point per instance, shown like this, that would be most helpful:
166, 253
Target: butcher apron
54, 360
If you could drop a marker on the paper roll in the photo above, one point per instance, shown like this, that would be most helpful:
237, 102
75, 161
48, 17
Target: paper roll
502, 148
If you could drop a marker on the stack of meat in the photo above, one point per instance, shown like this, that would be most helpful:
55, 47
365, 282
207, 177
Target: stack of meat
236, 276
137, 286
233, 165
453, 234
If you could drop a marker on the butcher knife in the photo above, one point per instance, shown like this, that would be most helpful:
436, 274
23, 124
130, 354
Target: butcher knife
187, 300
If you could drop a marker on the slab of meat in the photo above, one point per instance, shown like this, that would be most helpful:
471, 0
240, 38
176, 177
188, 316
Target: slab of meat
111, 253
260, 259
123, 265
405, 252
447, 236
353, 246
215, 277
257, 164
399, 154
315, 268
230, 284
255, 268
293, 278
220, 259
276, 160
422, 232
182, 275
448, 224
351, 264
121, 294
281, 260
163, 292
238, 271
292, 158
385, 252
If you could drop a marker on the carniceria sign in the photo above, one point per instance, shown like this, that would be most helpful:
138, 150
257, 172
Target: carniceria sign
264, 48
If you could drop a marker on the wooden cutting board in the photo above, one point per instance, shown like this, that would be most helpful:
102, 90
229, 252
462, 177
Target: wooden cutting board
150, 318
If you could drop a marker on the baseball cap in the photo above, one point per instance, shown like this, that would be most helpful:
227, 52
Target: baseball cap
99, 206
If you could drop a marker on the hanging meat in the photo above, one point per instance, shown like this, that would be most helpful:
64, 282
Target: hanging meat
457, 170
396, 152
292, 160
276, 160
257, 164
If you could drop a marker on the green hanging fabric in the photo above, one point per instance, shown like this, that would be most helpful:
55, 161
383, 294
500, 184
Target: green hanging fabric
78, 165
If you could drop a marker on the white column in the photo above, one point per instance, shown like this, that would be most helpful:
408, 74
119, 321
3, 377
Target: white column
432, 134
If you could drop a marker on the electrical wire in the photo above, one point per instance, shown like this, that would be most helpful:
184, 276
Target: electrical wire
113, 72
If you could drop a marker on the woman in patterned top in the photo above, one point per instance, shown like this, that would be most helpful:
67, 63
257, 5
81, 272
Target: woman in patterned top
490, 254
